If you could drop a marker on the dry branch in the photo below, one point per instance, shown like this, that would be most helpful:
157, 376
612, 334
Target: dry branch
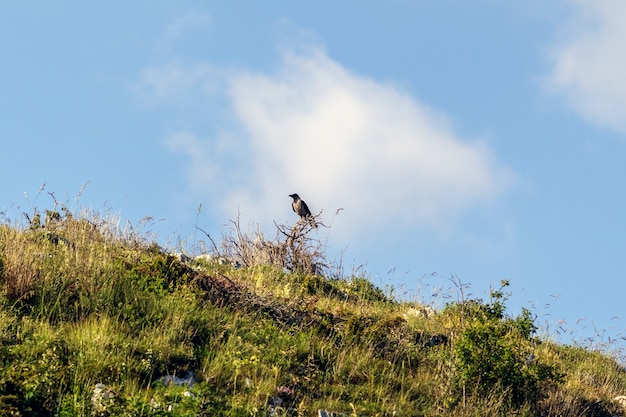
292, 248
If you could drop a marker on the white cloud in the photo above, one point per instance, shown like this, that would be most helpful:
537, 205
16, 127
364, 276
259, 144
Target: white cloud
340, 140
343, 140
181, 27
589, 62
179, 83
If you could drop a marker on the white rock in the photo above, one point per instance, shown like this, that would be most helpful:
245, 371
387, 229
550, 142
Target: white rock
621, 399
207, 257
181, 257
421, 311
101, 398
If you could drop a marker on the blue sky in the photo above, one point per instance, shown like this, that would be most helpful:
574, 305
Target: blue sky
479, 138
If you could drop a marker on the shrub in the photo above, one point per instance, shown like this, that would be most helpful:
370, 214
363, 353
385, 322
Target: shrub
494, 354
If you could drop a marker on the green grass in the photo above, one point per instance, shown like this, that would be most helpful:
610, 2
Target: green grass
83, 302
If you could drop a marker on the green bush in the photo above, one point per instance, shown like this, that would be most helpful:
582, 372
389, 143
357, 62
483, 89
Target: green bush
494, 354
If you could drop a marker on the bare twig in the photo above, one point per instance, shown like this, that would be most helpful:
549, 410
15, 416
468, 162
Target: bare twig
211, 239
293, 248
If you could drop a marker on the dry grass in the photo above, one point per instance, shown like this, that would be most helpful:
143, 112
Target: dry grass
84, 302
291, 249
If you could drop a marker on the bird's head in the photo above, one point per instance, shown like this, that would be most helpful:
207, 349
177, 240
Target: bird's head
294, 196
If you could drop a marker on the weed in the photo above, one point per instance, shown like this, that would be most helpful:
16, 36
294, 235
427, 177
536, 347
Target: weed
98, 320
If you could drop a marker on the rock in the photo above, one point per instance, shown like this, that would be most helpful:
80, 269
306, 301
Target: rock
275, 401
621, 400
273, 406
101, 398
189, 380
280, 404
221, 260
421, 311
324, 413
181, 257
206, 257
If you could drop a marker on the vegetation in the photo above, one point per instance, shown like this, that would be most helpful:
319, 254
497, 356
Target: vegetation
96, 320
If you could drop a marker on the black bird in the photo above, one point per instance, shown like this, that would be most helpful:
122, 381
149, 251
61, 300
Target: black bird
301, 209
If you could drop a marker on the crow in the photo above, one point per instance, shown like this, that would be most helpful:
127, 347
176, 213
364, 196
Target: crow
301, 209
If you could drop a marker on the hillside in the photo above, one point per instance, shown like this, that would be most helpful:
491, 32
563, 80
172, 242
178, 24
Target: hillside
98, 320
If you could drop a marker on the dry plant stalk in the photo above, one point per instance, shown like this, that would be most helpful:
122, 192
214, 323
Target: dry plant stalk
43, 251
21, 264
293, 248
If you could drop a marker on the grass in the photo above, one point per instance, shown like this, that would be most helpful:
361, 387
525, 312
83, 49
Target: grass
95, 320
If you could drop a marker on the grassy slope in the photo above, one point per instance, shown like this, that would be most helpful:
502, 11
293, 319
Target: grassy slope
83, 303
